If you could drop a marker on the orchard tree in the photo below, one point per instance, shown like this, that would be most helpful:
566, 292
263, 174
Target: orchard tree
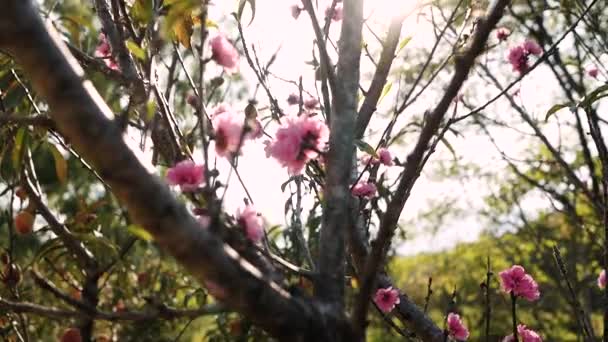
107, 239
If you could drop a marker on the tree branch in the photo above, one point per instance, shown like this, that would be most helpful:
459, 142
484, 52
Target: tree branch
389, 221
384, 66
81, 115
337, 213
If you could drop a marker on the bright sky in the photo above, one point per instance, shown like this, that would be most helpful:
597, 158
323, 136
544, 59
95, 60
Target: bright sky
274, 27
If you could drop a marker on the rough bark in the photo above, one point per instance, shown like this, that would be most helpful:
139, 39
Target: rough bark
81, 115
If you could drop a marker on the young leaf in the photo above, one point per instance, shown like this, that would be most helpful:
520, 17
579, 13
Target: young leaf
136, 50
365, 147
239, 12
140, 232
554, 109
61, 165
403, 43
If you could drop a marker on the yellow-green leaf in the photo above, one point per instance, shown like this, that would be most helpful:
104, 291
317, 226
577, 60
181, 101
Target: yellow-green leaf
365, 147
403, 43
140, 232
61, 165
183, 29
136, 50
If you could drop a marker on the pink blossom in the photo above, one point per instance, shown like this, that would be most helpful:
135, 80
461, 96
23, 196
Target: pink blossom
293, 99
298, 140
224, 53
601, 279
335, 15
104, 51
518, 59
295, 11
252, 222
386, 299
456, 328
385, 156
593, 72
311, 103
532, 48
188, 175
525, 334
365, 189
228, 131
515, 280
502, 34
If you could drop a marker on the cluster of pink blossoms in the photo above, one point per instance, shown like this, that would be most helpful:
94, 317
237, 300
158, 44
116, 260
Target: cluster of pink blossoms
252, 223
298, 140
365, 189
519, 55
224, 53
232, 129
337, 14
384, 157
104, 51
386, 299
525, 335
309, 104
456, 328
515, 280
187, 175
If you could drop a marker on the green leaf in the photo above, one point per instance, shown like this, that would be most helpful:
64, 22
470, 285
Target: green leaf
61, 165
403, 43
140, 232
385, 90
142, 11
136, 50
239, 12
365, 147
19, 147
555, 108
593, 96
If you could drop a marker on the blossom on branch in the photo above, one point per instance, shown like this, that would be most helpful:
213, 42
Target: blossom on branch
365, 189
519, 55
525, 334
515, 280
104, 50
228, 130
386, 299
224, 53
336, 15
456, 328
188, 175
252, 223
299, 140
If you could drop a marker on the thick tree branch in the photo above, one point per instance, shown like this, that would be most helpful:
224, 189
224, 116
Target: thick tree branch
384, 66
81, 116
389, 221
337, 213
